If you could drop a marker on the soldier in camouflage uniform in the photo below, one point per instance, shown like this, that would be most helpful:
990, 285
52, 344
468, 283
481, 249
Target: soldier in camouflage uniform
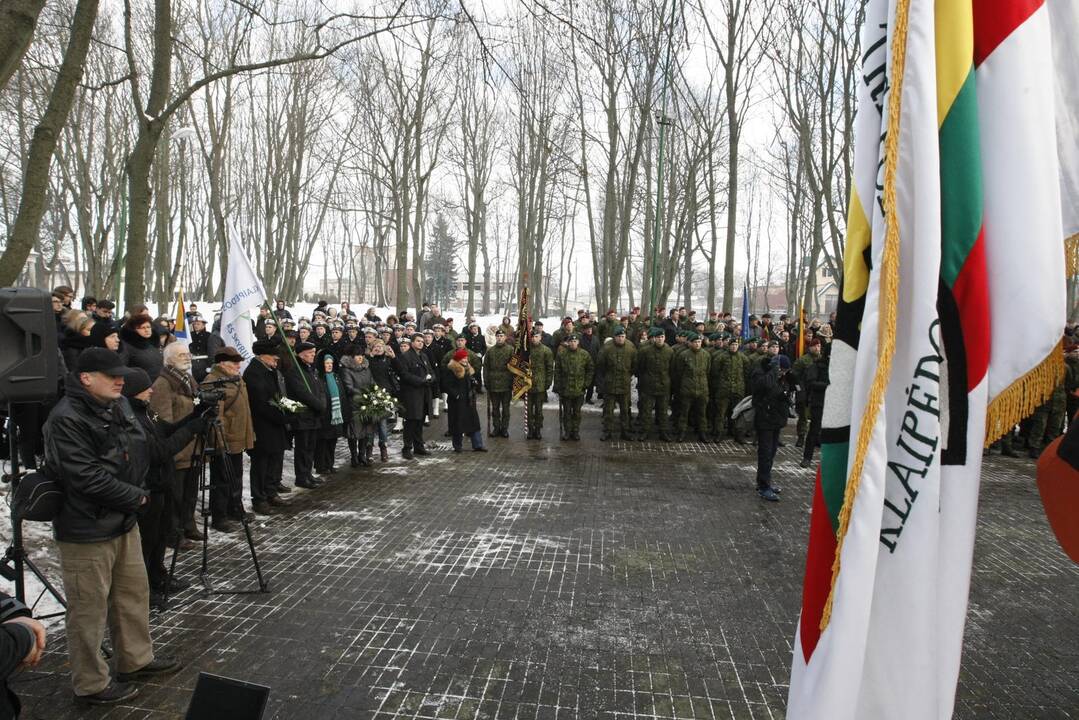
801, 397
541, 361
573, 370
654, 384
691, 369
1048, 421
499, 381
636, 326
726, 381
614, 366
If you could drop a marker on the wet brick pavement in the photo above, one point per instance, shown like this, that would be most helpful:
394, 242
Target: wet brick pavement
548, 581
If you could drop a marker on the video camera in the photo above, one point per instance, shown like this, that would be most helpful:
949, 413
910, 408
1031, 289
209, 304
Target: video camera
211, 392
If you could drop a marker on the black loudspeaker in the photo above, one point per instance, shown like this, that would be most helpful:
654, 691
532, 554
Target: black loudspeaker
29, 362
222, 698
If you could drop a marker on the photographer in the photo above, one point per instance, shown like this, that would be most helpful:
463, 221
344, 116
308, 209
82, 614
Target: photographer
304, 386
157, 520
22, 641
265, 384
769, 385
97, 451
238, 436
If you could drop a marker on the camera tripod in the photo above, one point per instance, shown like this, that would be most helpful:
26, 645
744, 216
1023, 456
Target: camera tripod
16, 562
210, 444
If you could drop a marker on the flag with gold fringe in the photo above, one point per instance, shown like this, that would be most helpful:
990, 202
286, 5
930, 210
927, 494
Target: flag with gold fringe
519, 362
955, 208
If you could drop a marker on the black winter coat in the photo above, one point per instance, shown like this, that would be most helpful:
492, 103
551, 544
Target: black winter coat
312, 394
203, 343
16, 642
264, 385
99, 456
72, 345
816, 381
476, 343
385, 374
417, 375
143, 352
163, 441
769, 397
459, 385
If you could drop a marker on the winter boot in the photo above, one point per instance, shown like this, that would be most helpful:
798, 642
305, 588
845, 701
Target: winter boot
368, 447
383, 455
354, 459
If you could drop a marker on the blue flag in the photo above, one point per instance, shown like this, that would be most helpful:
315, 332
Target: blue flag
745, 312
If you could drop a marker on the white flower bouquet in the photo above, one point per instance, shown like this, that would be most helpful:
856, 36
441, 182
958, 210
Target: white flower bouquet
288, 406
372, 404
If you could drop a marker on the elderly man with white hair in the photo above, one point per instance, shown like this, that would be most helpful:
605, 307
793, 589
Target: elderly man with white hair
173, 399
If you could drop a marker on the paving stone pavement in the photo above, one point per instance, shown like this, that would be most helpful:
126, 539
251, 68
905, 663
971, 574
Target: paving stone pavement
548, 581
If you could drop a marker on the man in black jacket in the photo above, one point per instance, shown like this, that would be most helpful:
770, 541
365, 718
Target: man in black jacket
157, 520
769, 385
417, 376
816, 383
265, 384
97, 450
304, 385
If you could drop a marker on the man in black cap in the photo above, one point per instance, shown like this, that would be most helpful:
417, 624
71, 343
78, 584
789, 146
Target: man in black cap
304, 386
265, 384
769, 386
158, 520
97, 451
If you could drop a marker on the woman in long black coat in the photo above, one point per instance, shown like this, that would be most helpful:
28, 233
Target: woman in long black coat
381, 359
143, 350
458, 382
417, 376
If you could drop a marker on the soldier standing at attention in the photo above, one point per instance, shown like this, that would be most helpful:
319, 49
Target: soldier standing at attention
654, 383
499, 384
573, 369
541, 360
615, 365
693, 365
727, 382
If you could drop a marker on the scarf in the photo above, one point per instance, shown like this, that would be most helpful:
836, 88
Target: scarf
336, 416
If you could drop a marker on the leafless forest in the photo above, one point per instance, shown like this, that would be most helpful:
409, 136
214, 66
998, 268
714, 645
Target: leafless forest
630, 152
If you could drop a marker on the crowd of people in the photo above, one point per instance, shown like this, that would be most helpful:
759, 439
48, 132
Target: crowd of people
128, 431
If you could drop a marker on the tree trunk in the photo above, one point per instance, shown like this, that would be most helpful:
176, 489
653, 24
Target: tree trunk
18, 19
36, 175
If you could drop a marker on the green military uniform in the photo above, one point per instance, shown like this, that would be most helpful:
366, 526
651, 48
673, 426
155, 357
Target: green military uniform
541, 361
614, 366
573, 370
1048, 421
801, 399
473, 359
727, 386
560, 336
692, 366
654, 386
499, 381
634, 330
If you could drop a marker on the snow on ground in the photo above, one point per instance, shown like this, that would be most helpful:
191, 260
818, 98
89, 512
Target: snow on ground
41, 549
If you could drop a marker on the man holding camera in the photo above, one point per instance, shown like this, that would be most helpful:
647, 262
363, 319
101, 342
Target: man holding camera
97, 450
769, 384
237, 436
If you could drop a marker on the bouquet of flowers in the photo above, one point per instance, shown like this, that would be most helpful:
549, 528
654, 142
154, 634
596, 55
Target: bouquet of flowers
372, 404
287, 406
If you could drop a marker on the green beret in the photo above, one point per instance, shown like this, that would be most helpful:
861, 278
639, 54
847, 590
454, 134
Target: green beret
655, 332
691, 336
573, 336
683, 333
618, 330
715, 336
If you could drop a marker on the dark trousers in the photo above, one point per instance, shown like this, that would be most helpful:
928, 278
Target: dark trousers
325, 452
303, 454
266, 469
413, 434
499, 402
155, 527
535, 411
767, 444
476, 438
816, 413
226, 486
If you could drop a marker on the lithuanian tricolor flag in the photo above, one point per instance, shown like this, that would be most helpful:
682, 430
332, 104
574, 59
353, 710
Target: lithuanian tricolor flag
954, 230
